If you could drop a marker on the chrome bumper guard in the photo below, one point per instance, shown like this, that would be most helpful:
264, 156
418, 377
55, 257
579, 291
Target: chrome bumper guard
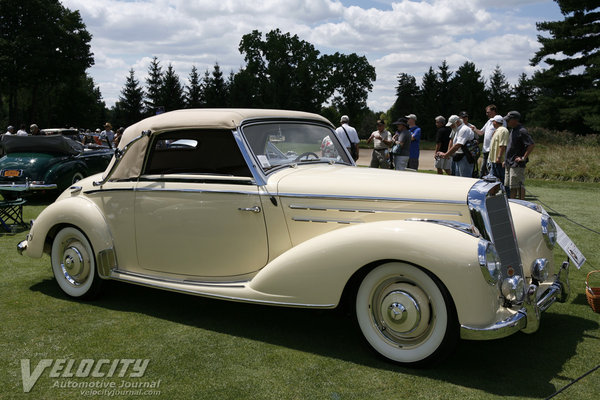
527, 319
22, 246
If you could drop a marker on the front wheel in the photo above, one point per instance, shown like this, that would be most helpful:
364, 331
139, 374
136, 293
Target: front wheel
73, 264
406, 314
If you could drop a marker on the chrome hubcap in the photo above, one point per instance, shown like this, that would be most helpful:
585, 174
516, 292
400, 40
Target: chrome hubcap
401, 312
75, 263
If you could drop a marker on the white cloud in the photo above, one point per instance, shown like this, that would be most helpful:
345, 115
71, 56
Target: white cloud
396, 36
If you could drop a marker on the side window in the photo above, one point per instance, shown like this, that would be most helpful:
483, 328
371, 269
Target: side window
211, 152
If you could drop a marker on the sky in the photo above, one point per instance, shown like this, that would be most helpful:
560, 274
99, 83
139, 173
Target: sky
395, 36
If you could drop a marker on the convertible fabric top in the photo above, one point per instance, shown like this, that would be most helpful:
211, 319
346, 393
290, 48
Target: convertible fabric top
55, 144
204, 118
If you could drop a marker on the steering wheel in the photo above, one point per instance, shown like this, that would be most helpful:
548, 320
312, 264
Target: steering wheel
308, 153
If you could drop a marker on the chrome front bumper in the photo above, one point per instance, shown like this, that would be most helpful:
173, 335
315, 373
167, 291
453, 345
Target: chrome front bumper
527, 319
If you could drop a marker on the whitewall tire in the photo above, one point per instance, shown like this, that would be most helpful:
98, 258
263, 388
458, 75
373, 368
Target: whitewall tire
406, 314
73, 264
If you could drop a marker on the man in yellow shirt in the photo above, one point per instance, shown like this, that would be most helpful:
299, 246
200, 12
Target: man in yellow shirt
498, 148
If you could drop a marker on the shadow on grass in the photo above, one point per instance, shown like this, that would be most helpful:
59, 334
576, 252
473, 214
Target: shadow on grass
520, 365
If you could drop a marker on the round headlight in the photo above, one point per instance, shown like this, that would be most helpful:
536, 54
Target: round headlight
489, 261
549, 230
513, 288
539, 269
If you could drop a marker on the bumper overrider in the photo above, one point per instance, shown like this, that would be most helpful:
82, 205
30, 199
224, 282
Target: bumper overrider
526, 319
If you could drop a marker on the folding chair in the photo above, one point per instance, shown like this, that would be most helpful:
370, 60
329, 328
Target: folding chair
11, 213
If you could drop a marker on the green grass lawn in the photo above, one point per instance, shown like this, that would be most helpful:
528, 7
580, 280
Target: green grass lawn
208, 349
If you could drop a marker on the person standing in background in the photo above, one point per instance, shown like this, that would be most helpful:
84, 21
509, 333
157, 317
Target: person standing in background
415, 131
348, 136
401, 147
520, 145
442, 139
381, 139
498, 148
487, 131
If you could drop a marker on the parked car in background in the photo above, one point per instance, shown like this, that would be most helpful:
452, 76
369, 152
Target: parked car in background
46, 163
242, 205
71, 133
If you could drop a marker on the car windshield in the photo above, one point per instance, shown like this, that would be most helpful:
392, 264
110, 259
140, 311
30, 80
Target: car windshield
281, 144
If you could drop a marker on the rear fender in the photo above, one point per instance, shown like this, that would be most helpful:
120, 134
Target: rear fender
317, 270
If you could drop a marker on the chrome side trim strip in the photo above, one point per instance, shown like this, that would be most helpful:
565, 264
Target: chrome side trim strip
120, 276
319, 220
233, 284
371, 211
196, 191
369, 198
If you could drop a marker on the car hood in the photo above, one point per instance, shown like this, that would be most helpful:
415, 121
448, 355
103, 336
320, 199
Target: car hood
371, 183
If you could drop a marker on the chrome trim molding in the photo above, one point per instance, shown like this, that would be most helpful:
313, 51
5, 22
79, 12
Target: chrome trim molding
368, 198
459, 226
324, 221
253, 193
370, 211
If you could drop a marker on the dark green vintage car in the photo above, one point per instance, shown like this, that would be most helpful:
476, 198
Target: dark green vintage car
46, 163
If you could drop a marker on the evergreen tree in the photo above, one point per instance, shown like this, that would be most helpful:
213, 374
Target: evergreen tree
194, 93
499, 91
215, 88
407, 96
153, 87
468, 88
131, 101
445, 101
570, 87
522, 96
429, 104
171, 90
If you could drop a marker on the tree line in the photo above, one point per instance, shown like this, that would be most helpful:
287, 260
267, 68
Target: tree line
43, 77
281, 71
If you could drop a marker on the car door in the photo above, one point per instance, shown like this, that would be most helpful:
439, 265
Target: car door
198, 212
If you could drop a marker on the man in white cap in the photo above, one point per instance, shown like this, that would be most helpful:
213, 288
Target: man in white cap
497, 148
462, 134
348, 136
10, 130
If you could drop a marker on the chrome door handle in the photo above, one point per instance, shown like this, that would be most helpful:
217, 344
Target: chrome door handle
254, 209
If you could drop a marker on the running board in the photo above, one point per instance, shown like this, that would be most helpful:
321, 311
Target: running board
232, 291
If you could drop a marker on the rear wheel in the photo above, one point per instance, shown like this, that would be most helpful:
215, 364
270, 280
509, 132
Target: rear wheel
73, 264
406, 314
77, 176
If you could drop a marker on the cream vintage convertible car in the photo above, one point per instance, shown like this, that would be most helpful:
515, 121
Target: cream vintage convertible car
248, 205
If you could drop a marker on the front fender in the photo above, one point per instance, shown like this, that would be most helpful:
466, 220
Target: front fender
317, 270
75, 211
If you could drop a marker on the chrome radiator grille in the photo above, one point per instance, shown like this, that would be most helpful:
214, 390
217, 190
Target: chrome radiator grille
491, 215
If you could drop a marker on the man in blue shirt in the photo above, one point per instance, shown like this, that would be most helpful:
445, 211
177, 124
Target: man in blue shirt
415, 131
